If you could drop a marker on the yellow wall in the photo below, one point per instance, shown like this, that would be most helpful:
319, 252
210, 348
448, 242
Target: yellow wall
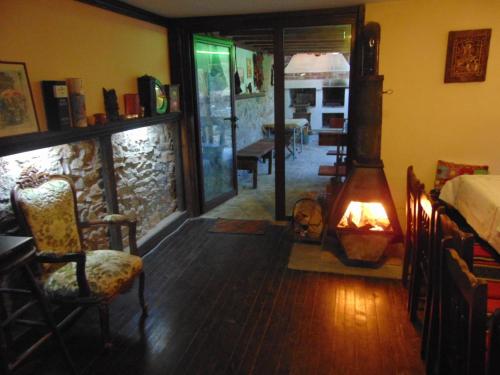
58, 39
425, 119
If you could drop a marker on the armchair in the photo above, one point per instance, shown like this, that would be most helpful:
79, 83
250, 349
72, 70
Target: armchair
46, 209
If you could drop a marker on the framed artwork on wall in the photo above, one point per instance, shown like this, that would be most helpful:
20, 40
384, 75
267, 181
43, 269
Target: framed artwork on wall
174, 98
17, 111
467, 55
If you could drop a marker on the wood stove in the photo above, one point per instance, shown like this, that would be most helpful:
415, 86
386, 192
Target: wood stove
363, 216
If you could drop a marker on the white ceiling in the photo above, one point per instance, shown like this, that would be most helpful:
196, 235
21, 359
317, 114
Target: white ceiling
196, 8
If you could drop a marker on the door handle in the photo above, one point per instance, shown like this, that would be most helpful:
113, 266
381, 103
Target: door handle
233, 119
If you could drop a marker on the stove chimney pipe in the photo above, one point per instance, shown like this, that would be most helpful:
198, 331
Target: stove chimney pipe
366, 119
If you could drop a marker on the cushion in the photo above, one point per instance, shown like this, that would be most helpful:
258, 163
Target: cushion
492, 305
481, 252
446, 171
50, 213
108, 272
494, 289
486, 264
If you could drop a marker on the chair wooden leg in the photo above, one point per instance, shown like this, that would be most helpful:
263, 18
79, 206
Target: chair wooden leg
44, 306
406, 267
4, 354
424, 347
142, 281
104, 319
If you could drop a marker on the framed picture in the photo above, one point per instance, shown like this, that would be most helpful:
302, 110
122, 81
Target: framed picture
17, 111
174, 98
467, 55
249, 68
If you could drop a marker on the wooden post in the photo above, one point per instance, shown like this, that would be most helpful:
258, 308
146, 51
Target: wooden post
109, 186
279, 122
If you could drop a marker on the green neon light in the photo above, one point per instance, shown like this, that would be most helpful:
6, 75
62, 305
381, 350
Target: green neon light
213, 52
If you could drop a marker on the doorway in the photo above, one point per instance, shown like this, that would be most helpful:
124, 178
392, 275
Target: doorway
267, 32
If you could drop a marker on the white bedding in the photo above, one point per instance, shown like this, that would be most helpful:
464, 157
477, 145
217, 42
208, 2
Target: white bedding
477, 198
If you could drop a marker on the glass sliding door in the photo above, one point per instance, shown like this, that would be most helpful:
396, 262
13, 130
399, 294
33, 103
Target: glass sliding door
216, 119
316, 93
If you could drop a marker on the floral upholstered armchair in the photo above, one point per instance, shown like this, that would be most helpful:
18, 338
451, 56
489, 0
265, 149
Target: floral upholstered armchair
46, 208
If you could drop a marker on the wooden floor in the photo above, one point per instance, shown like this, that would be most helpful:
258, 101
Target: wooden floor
227, 304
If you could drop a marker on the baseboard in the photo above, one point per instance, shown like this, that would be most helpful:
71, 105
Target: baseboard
160, 231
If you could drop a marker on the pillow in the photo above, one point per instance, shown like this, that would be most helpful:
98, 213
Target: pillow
446, 171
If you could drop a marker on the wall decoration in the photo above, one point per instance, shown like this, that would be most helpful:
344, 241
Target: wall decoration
467, 55
111, 104
56, 100
258, 73
17, 112
174, 98
132, 105
249, 68
77, 102
152, 95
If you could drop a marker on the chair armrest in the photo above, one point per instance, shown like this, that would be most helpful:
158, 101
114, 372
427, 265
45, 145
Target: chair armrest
79, 258
109, 219
117, 219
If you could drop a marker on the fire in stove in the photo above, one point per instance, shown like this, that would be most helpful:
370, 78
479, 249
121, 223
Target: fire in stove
365, 216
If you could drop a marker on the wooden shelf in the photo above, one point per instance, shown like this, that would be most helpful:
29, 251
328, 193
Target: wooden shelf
250, 96
34, 141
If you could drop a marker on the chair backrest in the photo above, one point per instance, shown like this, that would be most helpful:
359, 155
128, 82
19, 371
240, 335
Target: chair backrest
425, 230
46, 209
493, 357
461, 241
463, 317
414, 190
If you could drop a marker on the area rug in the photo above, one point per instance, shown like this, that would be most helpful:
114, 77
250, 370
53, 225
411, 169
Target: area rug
240, 226
311, 257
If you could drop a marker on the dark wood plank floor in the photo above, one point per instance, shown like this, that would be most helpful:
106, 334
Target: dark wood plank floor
227, 304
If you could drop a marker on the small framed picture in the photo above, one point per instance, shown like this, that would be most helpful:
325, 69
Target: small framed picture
467, 55
174, 98
249, 68
17, 111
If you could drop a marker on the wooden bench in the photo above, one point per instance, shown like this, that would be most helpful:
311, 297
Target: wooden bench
247, 158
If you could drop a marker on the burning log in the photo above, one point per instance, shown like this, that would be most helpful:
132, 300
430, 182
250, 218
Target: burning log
365, 216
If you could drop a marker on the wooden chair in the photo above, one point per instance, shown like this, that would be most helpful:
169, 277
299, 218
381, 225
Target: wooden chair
493, 355
449, 235
47, 210
420, 281
414, 189
463, 317
445, 229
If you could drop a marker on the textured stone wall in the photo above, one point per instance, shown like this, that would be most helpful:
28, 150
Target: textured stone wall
81, 162
252, 113
145, 174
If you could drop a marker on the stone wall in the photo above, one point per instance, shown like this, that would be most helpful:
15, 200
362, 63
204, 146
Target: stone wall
145, 174
81, 162
252, 113
144, 162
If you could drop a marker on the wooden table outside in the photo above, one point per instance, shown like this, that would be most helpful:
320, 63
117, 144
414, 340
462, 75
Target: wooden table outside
248, 157
293, 128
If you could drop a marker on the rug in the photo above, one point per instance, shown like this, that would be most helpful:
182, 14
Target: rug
312, 257
240, 226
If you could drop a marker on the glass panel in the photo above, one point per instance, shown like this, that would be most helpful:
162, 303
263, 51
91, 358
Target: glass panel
214, 103
317, 71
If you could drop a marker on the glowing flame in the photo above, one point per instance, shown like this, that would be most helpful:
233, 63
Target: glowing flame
365, 215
